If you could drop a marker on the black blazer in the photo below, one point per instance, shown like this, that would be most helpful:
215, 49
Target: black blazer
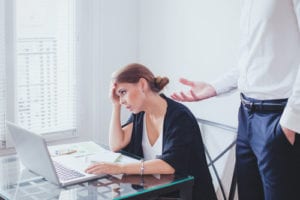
182, 146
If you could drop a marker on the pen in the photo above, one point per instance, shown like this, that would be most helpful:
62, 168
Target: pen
69, 152
60, 153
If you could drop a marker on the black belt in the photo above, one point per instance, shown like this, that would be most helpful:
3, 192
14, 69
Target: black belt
263, 105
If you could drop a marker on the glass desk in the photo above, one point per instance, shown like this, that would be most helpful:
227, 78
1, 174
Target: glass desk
18, 183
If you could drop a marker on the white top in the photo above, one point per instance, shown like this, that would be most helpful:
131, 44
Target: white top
151, 152
269, 60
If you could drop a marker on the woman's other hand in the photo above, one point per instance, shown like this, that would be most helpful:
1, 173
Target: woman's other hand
113, 95
104, 168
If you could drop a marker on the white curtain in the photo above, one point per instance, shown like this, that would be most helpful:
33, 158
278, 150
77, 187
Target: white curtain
2, 75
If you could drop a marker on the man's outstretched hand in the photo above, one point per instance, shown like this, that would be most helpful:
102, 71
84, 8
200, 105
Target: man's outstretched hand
198, 91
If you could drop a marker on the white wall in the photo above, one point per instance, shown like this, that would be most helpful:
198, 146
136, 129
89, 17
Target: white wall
108, 40
196, 39
119, 43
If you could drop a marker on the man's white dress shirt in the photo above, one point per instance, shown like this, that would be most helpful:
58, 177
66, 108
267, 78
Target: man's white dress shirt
269, 59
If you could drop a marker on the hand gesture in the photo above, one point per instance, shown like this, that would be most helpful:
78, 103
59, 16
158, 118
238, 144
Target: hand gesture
198, 91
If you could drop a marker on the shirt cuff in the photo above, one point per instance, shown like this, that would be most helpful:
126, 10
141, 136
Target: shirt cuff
290, 119
219, 87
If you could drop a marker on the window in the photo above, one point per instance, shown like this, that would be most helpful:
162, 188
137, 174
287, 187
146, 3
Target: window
45, 67
44, 75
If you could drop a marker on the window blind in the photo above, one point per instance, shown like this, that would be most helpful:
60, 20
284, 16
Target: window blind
2, 75
45, 65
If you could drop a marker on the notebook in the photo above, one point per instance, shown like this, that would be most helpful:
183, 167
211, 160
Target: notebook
62, 170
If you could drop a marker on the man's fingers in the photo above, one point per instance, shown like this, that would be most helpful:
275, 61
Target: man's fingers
194, 96
176, 97
184, 97
186, 82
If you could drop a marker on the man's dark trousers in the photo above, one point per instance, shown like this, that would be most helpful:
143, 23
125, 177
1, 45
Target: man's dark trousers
268, 165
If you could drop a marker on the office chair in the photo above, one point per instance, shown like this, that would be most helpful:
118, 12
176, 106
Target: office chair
219, 144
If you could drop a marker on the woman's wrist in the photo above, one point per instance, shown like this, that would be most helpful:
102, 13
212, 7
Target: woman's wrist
116, 106
142, 167
122, 169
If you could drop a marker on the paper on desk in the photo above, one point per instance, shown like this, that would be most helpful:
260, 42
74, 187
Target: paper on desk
104, 156
88, 152
79, 149
83, 162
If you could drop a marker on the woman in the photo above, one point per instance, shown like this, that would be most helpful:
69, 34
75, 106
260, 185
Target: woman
163, 132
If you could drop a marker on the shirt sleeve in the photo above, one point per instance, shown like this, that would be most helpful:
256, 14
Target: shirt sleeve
134, 148
291, 114
227, 82
177, 148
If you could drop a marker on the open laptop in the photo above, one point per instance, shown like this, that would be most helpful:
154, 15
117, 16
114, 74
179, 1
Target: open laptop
34, 154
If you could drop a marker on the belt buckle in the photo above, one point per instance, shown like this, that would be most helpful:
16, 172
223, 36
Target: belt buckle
251, 106
248, 104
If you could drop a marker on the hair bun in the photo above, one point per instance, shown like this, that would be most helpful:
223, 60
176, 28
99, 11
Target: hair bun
160, 82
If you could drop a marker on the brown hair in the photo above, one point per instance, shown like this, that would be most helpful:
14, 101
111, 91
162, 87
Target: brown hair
133, 72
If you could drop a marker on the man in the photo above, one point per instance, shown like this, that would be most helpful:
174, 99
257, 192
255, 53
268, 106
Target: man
268, 77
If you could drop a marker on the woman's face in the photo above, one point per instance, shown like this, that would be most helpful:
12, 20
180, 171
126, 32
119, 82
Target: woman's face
131, 96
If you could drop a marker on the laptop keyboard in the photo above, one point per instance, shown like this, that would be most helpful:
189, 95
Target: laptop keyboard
64, 173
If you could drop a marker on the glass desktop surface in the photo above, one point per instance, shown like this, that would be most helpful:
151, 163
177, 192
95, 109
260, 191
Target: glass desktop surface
16, 182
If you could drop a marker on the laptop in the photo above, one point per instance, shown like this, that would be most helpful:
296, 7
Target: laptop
34, 154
